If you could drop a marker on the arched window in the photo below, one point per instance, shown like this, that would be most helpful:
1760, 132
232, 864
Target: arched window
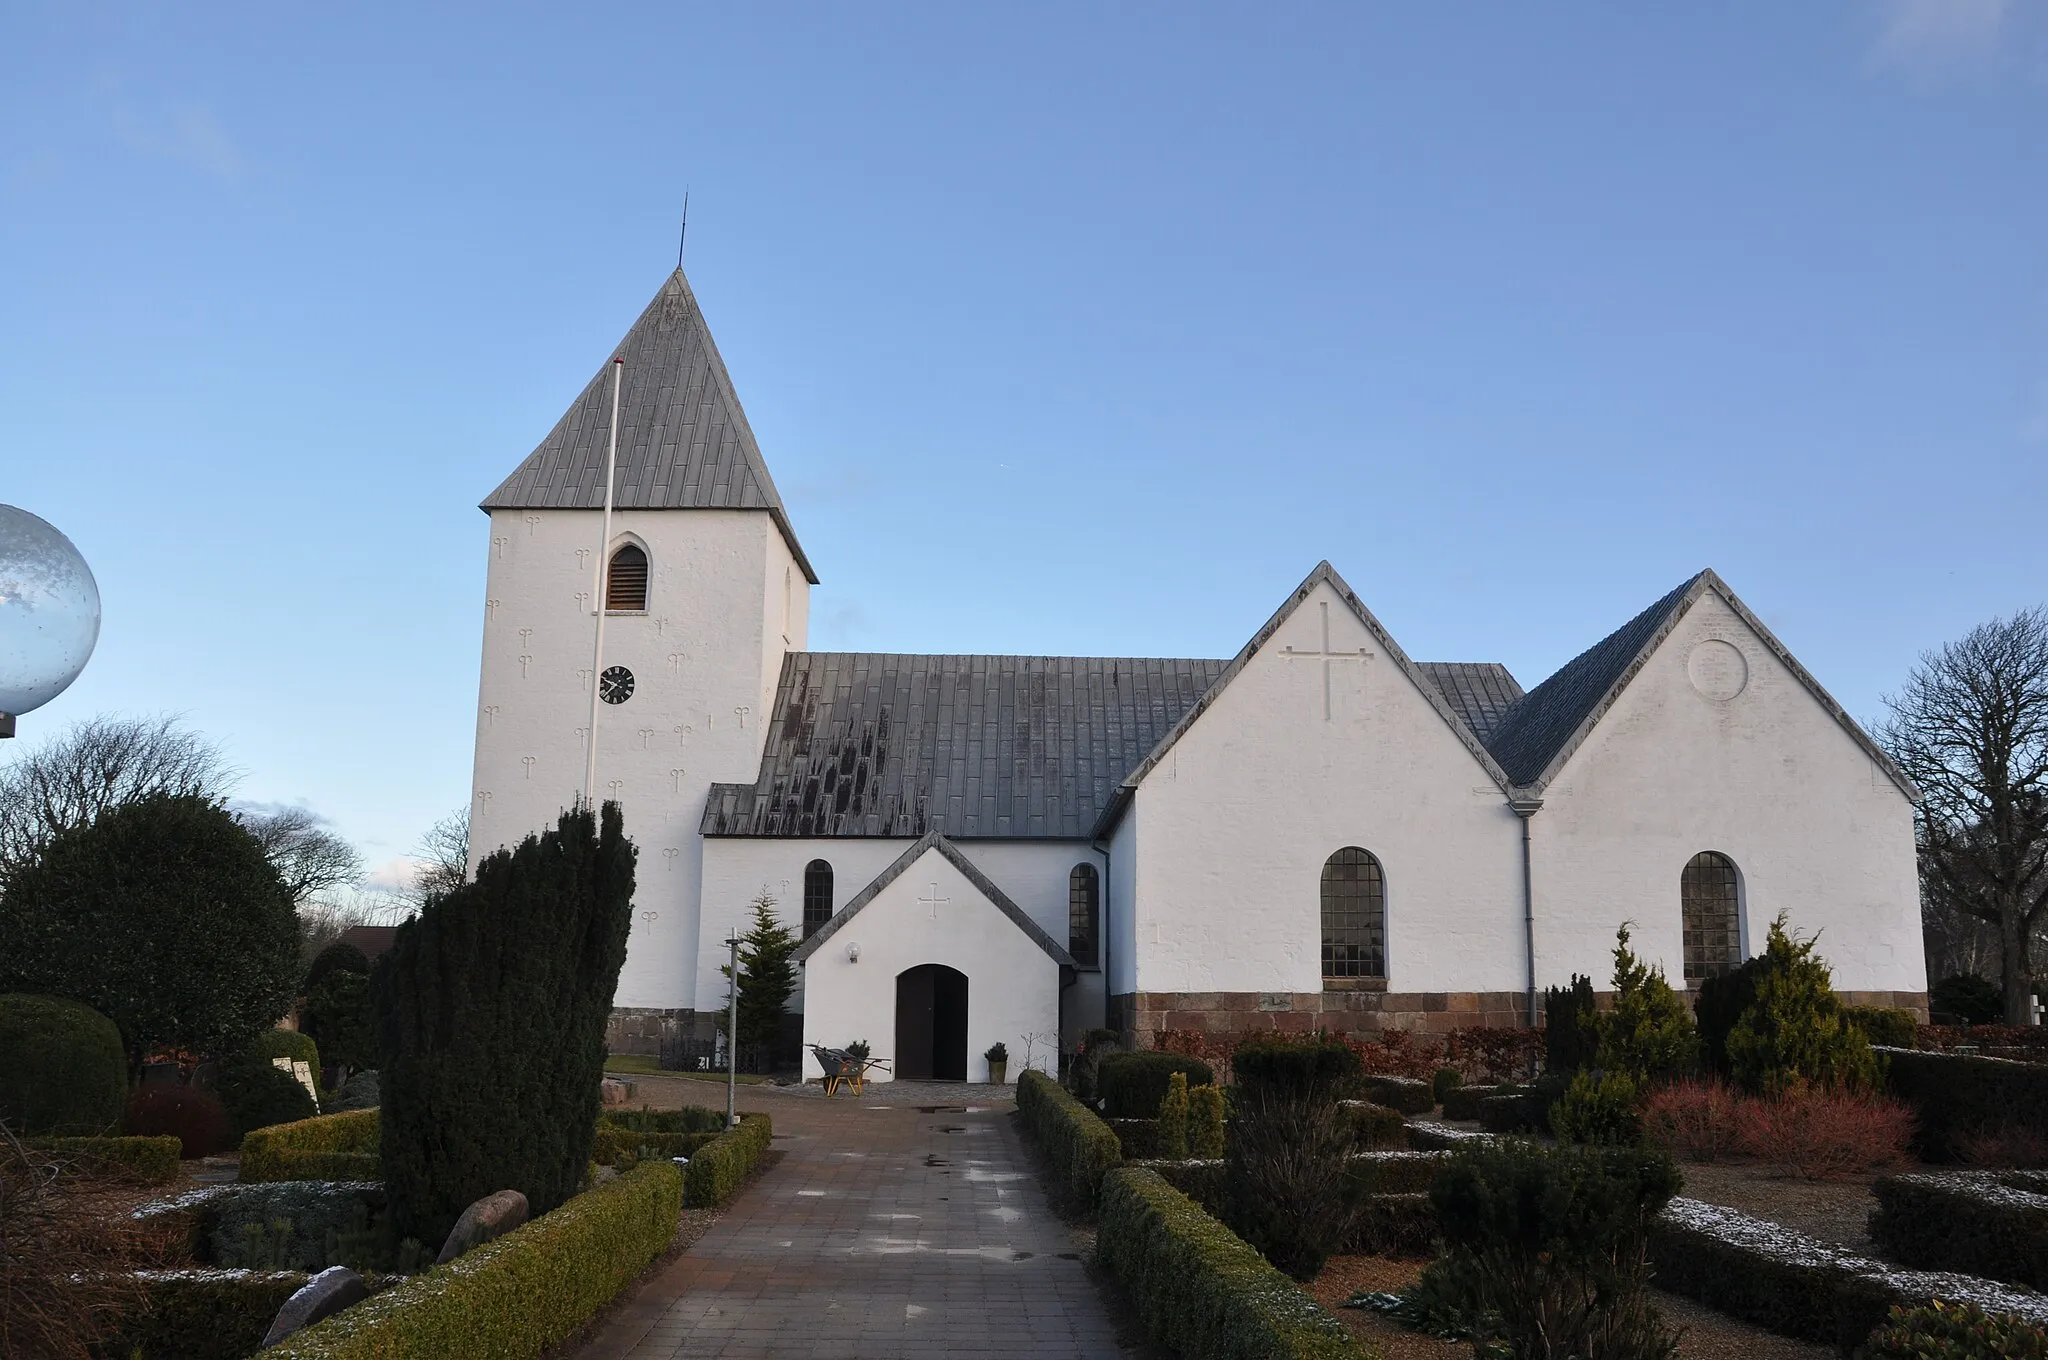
625, 585
1084, 916
817, 895
1354, 915
1712, 913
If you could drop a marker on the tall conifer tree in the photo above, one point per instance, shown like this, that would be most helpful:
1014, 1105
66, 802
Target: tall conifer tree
491, 1008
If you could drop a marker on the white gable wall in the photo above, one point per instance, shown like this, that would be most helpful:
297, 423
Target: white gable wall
1013, 986
1232, 829
699, 656
1768, 778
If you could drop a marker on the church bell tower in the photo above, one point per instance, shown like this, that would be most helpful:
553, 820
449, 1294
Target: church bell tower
705, 589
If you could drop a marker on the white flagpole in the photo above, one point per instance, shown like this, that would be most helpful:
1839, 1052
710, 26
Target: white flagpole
604, 543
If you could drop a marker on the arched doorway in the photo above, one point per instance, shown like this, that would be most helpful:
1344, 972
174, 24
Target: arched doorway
931, 1023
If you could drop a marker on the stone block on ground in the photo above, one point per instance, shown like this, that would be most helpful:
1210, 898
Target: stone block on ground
319, 1298
490, 1217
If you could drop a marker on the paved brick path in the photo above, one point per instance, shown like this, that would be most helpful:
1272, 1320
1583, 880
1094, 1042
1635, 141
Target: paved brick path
884, 1232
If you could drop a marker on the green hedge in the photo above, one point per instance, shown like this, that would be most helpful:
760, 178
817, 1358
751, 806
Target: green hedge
286, 1043
1409, 1095
328, 1147
153, 1161
1980, 1223
1428, 1136
1521, 1109
615, 1146
514, 1297
204, 1314
1884, 1026
722, 1165
1391, 1188
1080, 1146
1376, 1126
1462, 1102
1953, 1094
1132, 1084
1198, 1287
63, 1070
1797, 1286
1139, 1138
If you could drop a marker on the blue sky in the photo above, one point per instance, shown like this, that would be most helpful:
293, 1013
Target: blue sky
1064, 328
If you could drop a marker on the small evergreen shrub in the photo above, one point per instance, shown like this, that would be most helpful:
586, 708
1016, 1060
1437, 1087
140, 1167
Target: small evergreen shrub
63, 1071
359, 1092
1547, 1248
1524, 1109
1173, 1119
258, 1095
192, 1115
339, 1016
339, 957
1965, 999
1205, 1121
1096, 1044
332, 1147
1794, 1034
1571, 1027
1722, 1000
204, 1314
1954, 1331
1598, 1109
1648, 1032
1826, 1135
1199, 1289
1139, 1138
1409, 1095
1079, 1145
243, 1226
1375, 1127
1884, 1026
1446, 1080
492, 1005
1314, 1069
1131, 1085
1700, 1121
1462, 1102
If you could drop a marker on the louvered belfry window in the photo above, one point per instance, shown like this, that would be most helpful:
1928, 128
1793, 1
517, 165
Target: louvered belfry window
625, 585
817, 895
1710, 902
1084, 916
1354, 915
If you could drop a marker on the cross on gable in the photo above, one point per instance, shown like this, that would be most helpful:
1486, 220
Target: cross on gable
1326, 656
934, 901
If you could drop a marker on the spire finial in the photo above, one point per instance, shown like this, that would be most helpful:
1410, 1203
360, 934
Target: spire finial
684, 234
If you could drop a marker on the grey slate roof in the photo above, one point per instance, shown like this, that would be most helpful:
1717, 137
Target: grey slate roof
1481, 691
684, 441
879, 744
1536, 731
983, 884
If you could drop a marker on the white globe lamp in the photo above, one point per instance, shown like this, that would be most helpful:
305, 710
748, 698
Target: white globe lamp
49, 614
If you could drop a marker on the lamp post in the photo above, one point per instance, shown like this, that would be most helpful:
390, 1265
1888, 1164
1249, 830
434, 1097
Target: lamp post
49, 614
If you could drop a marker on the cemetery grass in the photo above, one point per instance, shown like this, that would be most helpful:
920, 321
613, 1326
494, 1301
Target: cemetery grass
639, 1065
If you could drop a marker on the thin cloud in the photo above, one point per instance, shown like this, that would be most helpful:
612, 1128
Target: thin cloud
188, 133
1934, 37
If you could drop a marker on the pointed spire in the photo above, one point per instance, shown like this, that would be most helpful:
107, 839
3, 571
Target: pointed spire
684, 441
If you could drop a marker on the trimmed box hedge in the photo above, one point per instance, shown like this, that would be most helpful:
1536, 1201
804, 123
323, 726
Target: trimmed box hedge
1884, 1026
1426, 1135
153, 1161
1462, 1102
1139, 1138
204, 1314
1079, 1144
1409, 1095
1955, 1094
1797, 1286
516, 1296
612, 1146
722, 1165
1131, 1085
1980, 1223
1376, 1126
1391, 1189
327, 1147
1198, 1287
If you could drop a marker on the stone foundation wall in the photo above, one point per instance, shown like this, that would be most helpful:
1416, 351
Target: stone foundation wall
639, 1030
1915, 1002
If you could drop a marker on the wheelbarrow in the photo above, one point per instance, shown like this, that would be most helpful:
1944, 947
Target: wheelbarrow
842, 1068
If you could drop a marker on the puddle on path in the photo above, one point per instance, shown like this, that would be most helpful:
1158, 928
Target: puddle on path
942, 1109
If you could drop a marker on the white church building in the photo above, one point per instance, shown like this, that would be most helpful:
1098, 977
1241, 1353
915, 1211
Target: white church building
1318, 832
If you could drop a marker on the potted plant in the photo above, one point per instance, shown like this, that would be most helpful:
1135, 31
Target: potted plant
998, 1063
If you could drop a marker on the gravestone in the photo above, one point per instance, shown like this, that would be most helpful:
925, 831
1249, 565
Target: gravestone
490, 1217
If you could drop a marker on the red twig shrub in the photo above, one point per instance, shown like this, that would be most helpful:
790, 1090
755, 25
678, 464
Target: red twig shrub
191, 1114
1825, 1135
1701, 1121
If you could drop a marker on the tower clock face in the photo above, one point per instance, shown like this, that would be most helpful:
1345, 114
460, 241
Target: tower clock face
615, 685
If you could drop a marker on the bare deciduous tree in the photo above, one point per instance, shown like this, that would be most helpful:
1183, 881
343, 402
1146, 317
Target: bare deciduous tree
1971, 729
97, 764
311, 859
443, 854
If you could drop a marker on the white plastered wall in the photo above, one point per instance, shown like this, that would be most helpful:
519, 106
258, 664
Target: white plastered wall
704, 656
1231, 830
1767, 777
1013, 986
738, 869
